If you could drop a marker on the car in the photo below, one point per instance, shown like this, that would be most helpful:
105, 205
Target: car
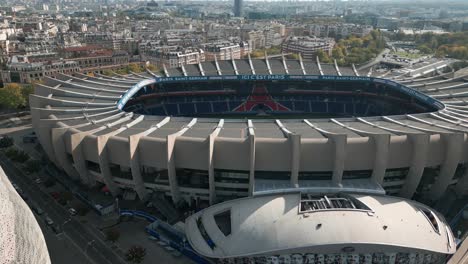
48, 221
56, 228
38, 180
72, 211
37, 209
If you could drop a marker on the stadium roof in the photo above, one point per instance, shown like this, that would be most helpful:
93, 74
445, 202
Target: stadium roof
279, 224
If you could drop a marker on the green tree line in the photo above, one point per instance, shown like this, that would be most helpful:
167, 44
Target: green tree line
15, 96
454, 45
355, 50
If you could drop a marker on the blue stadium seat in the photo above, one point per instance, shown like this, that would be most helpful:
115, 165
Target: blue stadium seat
203, 107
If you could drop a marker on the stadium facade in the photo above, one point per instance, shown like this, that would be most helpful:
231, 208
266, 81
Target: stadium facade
272, 127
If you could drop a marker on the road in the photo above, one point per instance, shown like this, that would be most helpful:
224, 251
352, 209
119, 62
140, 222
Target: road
375, 60
90, 245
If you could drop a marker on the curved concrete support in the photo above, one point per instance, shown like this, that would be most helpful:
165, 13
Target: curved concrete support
418, 163
211, 172
301, 62
295, 141
382, 143
60, 152
251, 139
79, 159
171, 170
454, 147
285, 65
268, 63
339, 142
200, 68
140, 188
134, 140
104, 164
251, 64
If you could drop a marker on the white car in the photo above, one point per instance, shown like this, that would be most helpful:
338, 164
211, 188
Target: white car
72, 211
49, 221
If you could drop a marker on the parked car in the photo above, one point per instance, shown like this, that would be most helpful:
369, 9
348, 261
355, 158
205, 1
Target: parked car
38, 180
72, 211
37, 209
48, 220
56, 228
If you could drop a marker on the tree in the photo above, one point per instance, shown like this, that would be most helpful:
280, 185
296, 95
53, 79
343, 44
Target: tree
6, 142
424, 49
293, 56
16, 155
257, 53
107, 72
135, 254
11, 96
337, 53
152, 68
133, 67
32, 166
323, 56
112, 235
11, 152
26, 90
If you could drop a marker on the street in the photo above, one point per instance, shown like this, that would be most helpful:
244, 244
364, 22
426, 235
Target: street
89, 244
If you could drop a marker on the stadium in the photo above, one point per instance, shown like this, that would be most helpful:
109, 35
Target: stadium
271, 130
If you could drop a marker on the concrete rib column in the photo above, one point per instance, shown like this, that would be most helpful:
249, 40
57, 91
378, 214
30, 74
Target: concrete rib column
171, 170
418, 162
104, 164
302, 64
461, 188
267, 63
285, 65
453, 151
251, 139
166, 72
79, 159
340, 142
140, 189
211, 172
382, 142
133, 141
251, 64
61, 154
295, 140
